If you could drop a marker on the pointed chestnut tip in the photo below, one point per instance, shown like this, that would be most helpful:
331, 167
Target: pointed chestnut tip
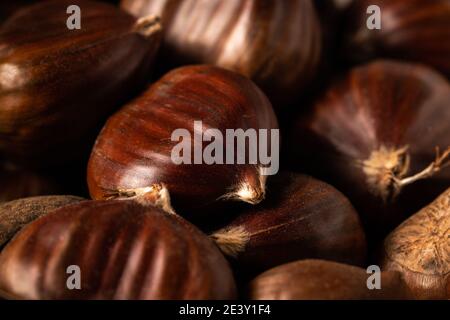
231, 241
148, 26
251, 191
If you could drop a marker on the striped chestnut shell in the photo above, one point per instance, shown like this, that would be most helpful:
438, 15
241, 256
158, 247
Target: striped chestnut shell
58, 84
134, 149
123, 249
275, 43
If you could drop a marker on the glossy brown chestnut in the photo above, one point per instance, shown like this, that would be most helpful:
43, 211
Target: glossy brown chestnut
374, 135
324, 280
14, 215
416, 30
420, 249
275, 43
134, 149
124, 250
301, 218
7, 8
19, 183
57, 84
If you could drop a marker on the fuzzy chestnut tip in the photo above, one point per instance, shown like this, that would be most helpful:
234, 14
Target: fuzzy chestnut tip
148, 26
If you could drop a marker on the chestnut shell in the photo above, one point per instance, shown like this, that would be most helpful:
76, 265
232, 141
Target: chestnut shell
415, 30
134, 148
124, 249
275, 43
301, 218
324, 280
378, 124
420, 249
57, 84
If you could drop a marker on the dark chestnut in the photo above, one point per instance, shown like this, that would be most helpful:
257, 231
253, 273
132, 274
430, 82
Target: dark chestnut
135, 148
301, 218
324, 280
374, 136
122, 250
16, 214
275, 43
57, 84
420, 249
416, 30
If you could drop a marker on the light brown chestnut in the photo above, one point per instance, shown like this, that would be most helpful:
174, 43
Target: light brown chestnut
324, 280
14, 215
57, 85
121, 249
301, 218
420, 249
135, 148
275, 43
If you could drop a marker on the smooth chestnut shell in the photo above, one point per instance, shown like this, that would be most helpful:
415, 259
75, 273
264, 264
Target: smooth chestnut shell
324, 280
14, 215
420, 249
371, 132
416, 30
133, 151
124, 249
275, 43
301, 218
57, 84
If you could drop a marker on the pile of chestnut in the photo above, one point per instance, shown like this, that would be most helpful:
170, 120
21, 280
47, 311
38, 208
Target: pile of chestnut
92, 205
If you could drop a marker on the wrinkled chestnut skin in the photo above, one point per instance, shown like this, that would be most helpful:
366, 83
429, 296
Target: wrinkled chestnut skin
420, 249
14, 215
275, 43
134, 148
381, 104
18, 183
125, 250
57, 85
301, 218
415, 30
324, 280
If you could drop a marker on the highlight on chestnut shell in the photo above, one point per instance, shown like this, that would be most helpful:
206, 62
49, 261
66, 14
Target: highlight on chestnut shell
137, 146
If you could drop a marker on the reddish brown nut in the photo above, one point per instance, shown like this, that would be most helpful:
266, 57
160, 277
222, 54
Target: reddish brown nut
14, 215
415, 30
134, 149
374, 136
324, 280
420, 249
275, 43
301, 218
57, 85
123, 249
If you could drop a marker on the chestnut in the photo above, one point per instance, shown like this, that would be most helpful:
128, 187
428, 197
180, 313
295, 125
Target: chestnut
374, 135
275, 43
57, 84
16, 214
135, 148
324, 280
301, 218
121, 249
415, 30
420, 249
